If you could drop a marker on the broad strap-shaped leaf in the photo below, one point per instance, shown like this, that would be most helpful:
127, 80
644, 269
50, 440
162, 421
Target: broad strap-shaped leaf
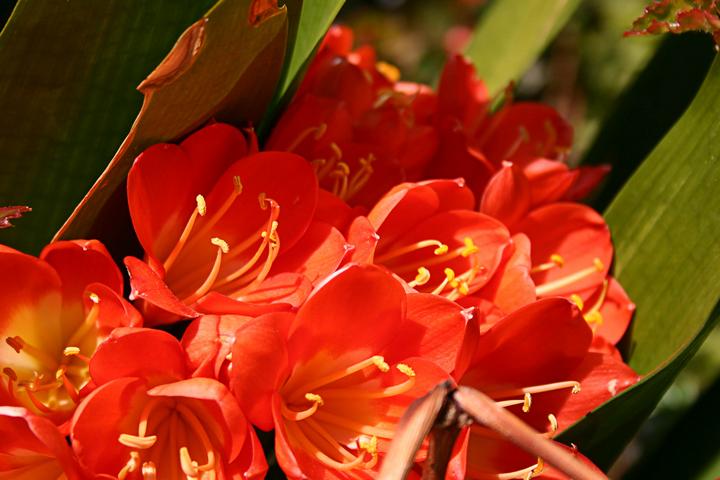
225, 66
511, 34
668, 259
67, 76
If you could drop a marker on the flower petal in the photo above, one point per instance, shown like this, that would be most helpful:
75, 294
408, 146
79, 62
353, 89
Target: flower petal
507, 195
139, 352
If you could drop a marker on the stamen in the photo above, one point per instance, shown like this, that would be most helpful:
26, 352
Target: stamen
440, 249
149, 472
546, 288
30, 391
200, 209
319, 131
601, 298
20, 345
70, 351
212, 276
237, 185
361, 176
303, 414
549, 387
189, 467
556, 261
553, 423
312, 449
594, 318
422, 277
527, 402
577, 300
199, 430
137, 442
89, 323
405, 369
449, 278
69, 387
12, 380
469, 248
359, 427
376, 361
130, 466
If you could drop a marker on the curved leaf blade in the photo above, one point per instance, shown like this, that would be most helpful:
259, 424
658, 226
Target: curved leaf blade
511, 34
222, 67
67, 77
666, 228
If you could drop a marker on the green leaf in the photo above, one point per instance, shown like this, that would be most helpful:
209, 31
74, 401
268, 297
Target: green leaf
225, 66
511, 34
308, 23
666, 227
68, 72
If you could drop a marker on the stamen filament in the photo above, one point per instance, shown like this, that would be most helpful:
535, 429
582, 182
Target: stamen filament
200, 209
20, 345
319, 131
137, 442
440, 249
356, 426
376, 361
212, 276
546, 288
386, 392
549, 387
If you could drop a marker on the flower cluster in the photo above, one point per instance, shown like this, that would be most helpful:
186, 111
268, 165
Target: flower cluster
387, 238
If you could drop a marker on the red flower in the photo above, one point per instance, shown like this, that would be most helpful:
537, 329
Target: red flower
224, 228
33, 448
148, 419
362, 130
428, 234
335, 378
537, 362
474, 141
54, 312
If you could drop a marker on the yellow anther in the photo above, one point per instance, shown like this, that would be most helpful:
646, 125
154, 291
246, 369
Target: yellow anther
369, 444
576, 388
450, 274
343, 168
136, 442
441, 250
577, 300
314, 397
594, 318
469, 248
219, 242
553, 423
599, 266
201, 205
70, 351
149, 471
10, 373
423, 276
320, 131
463, 288
60, 373
336, 150
405, 369
189, 467
527, 402
391, 72
557, 259
94, 297
540, 466
262, 200
237, 185
379, 362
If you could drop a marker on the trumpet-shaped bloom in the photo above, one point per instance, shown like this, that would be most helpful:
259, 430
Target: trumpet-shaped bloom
54, 312
225, 229
334, 379
536, 362
428, 234
148, 420
33, 448
362, 129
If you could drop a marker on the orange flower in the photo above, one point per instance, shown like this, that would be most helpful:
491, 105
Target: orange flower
54, 312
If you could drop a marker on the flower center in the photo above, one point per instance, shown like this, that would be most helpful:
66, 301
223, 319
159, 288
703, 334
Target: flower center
226, 273
557, 261
337, 176
452, 285
177, 428
53, 387
324, 416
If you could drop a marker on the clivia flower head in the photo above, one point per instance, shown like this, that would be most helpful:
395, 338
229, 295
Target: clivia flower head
216, 218
149, 420
334, 379
55, 310
362, 129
